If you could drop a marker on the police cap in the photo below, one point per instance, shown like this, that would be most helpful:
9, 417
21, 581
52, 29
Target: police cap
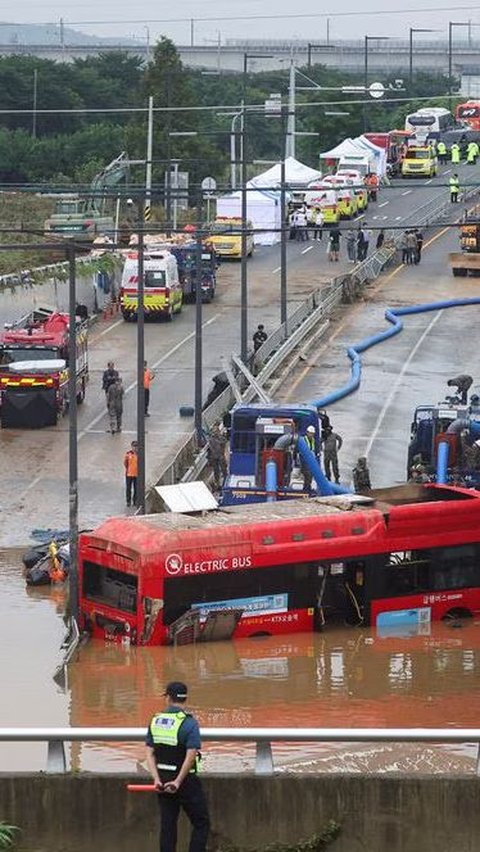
176, 690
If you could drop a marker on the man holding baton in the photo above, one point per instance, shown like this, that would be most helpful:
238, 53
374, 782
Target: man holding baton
173, 756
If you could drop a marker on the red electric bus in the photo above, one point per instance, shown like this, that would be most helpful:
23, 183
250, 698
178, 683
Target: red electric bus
404, 555
469, 113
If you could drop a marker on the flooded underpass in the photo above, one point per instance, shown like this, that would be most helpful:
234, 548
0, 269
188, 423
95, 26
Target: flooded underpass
344, 677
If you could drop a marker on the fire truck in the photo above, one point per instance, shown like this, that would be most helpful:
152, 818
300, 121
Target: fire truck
34, 369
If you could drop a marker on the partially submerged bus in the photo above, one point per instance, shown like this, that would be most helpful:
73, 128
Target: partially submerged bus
408, 554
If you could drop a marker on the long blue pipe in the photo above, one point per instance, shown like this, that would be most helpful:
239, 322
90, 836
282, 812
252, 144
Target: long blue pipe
442, 462
325, 487
392, 316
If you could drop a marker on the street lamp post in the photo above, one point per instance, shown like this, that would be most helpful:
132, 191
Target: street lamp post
410, 54
141, 361
451, 25
72, 434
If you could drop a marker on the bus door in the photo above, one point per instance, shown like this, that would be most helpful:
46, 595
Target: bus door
340, 593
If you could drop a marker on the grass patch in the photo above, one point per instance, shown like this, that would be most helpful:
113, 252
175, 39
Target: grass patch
27, 212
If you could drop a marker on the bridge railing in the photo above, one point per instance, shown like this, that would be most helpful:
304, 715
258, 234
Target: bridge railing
262, 738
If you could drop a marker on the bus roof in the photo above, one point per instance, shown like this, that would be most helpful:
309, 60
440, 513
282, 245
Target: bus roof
150, 533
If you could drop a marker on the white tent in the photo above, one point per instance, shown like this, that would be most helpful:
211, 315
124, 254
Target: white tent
346, 148
263, 211
297, 175
379, 153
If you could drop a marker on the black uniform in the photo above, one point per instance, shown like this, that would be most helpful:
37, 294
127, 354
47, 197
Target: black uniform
463, 384
109, 377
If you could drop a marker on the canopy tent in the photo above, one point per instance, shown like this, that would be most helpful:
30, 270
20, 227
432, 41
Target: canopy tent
358, 147
297, 175
379, 153
344, 149
263, 211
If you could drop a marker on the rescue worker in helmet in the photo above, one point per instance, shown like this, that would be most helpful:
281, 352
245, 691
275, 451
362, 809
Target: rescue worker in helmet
462, 383
361, 476
306, 472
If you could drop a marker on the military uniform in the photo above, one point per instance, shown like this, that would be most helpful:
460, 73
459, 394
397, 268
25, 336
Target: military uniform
361, 476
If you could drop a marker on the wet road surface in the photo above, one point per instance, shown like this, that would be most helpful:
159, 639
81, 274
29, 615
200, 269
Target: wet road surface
33, 486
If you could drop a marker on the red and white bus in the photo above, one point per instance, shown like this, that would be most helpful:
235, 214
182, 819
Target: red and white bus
405, 555
469, 113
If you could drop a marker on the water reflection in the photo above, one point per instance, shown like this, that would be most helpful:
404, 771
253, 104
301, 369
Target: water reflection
339, 678
343, 677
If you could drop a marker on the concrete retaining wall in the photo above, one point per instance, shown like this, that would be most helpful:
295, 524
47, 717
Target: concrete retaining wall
82, 813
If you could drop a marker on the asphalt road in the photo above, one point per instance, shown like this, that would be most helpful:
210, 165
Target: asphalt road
407, 370
34, 482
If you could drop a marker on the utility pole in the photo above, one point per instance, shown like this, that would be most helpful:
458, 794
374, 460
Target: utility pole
283, 232
198, 325
72, 434
244, 259
148, 169
34, 114
140, 361
290, 149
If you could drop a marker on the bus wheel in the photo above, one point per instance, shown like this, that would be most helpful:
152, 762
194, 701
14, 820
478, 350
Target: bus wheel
262, 634
457, 614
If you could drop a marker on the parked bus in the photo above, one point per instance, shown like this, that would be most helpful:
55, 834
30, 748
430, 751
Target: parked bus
429, 122
408, 554
469, 113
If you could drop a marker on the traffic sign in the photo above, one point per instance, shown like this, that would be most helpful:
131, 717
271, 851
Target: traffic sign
376, 90
209, 184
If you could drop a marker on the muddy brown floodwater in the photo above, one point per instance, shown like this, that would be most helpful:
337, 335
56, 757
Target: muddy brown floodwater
345, 677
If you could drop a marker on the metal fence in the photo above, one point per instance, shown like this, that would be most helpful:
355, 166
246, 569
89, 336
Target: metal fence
262, 738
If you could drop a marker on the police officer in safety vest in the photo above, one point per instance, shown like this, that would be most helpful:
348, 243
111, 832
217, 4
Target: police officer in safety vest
173, 755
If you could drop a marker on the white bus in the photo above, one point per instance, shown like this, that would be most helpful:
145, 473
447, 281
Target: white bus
429, 121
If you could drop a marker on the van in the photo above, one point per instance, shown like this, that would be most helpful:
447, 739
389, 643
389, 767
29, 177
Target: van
324, 198
363, 163
419, 161
346, 198
163, 291
226, 237
355, 181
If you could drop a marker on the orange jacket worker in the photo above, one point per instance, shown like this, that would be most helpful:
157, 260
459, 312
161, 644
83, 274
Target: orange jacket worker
131, 473
148, 375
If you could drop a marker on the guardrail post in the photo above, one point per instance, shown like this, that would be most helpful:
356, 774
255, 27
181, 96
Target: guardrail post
56, 762
264, 758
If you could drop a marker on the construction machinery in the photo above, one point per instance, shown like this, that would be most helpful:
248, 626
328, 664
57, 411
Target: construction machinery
85, 219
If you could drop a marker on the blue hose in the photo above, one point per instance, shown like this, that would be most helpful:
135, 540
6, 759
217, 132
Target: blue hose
392, 316
325, 487
442, 462
271, 480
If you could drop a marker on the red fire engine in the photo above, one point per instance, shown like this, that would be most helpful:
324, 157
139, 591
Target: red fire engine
34, 369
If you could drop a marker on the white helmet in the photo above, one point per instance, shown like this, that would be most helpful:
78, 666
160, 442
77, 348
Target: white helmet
310, 430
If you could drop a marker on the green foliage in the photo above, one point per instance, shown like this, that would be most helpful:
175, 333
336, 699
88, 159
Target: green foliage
7, 833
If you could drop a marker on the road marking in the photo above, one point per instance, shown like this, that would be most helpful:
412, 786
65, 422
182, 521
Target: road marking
154, 366
407, 192
276, 270
428, 181
384, 217
447, 172
107, 330
397, 218
357, 218
375, 217
384, 204
309, 248
348, 320
397, 381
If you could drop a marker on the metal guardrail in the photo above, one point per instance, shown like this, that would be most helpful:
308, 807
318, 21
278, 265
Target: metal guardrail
261, 737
